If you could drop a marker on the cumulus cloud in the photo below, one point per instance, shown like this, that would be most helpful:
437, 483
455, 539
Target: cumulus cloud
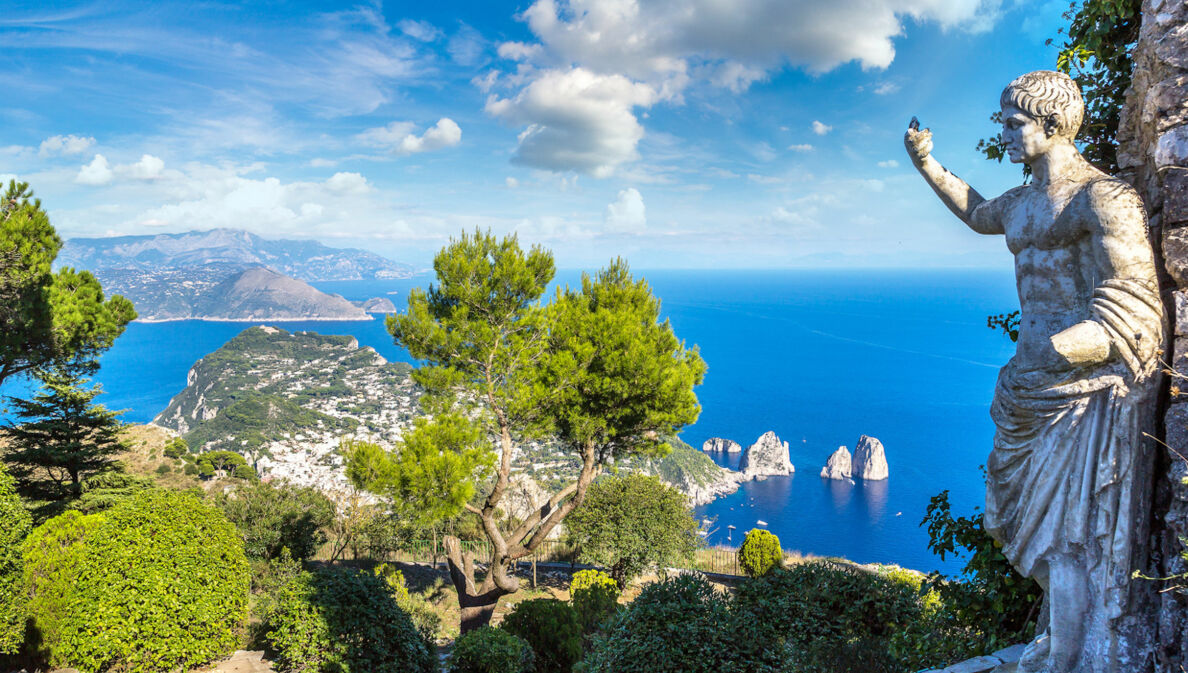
348, 183
803, 147
148, 168
665, 46
626, 213
889, 163
98, 172
398, 137
576, 120
65, 145
821, 129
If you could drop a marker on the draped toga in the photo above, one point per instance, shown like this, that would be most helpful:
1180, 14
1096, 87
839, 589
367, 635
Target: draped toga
1061, 477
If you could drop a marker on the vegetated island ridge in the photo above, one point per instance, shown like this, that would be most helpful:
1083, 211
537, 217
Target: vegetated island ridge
285, 400
230, 275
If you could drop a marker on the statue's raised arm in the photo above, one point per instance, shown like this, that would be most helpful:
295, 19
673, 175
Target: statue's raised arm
1066, 477
962, 199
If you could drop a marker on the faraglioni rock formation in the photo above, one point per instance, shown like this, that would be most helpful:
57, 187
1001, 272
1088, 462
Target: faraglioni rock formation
838, 465
768, 456
720, 445
1068, 479
870, 460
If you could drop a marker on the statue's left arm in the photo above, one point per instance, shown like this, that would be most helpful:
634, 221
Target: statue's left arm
1126, 315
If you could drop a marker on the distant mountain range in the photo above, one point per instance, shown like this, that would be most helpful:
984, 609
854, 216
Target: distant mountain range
229, 274
304, 260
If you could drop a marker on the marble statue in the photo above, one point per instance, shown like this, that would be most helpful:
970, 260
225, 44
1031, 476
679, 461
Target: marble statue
1066, 478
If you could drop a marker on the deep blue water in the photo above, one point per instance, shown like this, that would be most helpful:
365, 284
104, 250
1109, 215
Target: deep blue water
820, 357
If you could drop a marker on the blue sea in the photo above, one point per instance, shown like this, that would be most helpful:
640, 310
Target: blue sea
820, 357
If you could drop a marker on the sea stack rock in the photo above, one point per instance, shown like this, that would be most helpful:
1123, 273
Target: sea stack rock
767, 456
838, 465
870, 461
719, 445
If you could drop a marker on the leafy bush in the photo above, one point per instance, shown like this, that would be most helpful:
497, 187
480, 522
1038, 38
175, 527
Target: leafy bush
15, 523
176, 448
551, 627
681, 625
760, 552
595, 597
815, 608
107, 489
162, 585
491, 650
629, 523
336, 620
420, 611
53, 555
271, 518
990, 595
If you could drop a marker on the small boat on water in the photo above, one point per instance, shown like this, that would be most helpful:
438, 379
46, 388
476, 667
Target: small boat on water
761, 522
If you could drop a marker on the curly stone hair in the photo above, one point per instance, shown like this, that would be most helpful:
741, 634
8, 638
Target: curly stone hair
1047, 94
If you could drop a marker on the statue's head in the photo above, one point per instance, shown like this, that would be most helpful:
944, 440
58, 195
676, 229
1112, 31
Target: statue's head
1039, 109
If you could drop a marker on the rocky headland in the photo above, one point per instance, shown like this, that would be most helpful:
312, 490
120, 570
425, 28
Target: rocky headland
285, 400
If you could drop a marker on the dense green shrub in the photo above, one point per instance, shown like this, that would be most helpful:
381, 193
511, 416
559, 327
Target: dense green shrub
162, 585
53, 553
176, 448
630, 523
15, 523
491, 650
107, 489
595, 597
814, 608
419, 610
274, 517
340, 620
681, 625
760, 552
551, 627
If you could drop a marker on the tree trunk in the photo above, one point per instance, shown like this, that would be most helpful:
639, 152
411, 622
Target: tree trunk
477, 604
1153, 156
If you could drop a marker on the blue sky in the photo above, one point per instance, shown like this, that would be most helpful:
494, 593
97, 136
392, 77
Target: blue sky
686, 134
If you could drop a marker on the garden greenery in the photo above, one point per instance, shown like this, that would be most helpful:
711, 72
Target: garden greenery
760, 552
14, 525
490, 650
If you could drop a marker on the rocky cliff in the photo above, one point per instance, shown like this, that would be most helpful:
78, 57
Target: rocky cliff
838, 466
768, 456
720, 445
377, 305
870, 460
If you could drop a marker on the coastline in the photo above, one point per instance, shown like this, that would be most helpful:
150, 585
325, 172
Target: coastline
370, 316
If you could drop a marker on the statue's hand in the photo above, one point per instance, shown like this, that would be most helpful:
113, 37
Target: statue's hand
918, 143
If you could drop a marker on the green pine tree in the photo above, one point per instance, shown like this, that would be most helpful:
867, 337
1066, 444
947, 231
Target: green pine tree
47, 317
63, 437
596, 370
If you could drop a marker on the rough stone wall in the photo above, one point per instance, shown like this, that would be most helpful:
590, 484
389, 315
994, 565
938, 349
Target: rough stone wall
1153, 155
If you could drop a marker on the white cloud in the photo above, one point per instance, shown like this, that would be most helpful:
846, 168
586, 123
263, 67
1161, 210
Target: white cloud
398, 137
889, 163
626, 214
98, 172
511, 182
803, 147
422, 31
467, 46
518, 51
319, 162
576, 120
348, 183
148, 168
821, 129
886, 88
65, 145
764, 179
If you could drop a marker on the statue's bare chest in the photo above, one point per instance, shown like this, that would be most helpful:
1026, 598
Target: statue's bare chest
1036, 220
